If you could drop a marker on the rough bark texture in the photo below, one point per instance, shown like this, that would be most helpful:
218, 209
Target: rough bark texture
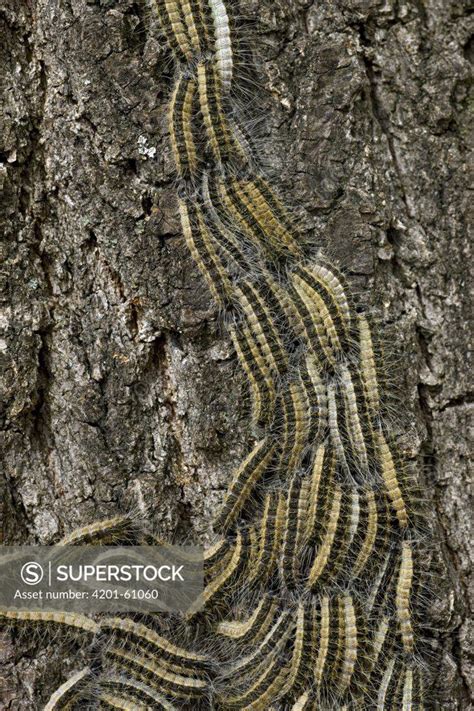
120, 386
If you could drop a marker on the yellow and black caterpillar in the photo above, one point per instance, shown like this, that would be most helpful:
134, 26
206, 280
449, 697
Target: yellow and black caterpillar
311, 597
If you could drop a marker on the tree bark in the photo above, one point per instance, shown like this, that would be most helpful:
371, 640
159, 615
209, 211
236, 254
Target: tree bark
120, 383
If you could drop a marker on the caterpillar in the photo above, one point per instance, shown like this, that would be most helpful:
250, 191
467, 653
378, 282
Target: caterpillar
245, 479
153, 642
68, 693
71, 620
118, 529
181, 127
136, 690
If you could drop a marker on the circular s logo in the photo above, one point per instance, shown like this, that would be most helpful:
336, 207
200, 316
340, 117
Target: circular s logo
32, 573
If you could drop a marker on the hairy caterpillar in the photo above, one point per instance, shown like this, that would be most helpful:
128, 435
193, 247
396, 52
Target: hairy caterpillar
402, 600
136, 690
68, 693
245, 479
68, 619
180, 123
153, 642
255, 626
156, 675
106, 532
223, 44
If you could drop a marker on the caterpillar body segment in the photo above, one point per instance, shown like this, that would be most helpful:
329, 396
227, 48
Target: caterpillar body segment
238, 249
284, 217
197, 25
72, 620
146, 669
402, 600
298, 662
181, 109
263, 650
368, 368
301, 522
302, 702
118, 529
262, 213
321, 559
245, 480
407, 701
337, 322
261, 384
127, 629
248, 631
111, 701
308, 327
354, 425
68, 693
223, 43
224, 579
349, 643
214, 555
136, 690
201, 247
288, 554
261, 567
296, 417
317, 396
390, 479
354, 517
238, 208
173, 18
323, 324
181, 50
334, 284
267, 681
321, 494
386, 679
324, 628
336, 437
370, 536
260, 322
223, 144
314, 492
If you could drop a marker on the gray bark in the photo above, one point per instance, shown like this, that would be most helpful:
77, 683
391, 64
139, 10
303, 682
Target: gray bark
120, 384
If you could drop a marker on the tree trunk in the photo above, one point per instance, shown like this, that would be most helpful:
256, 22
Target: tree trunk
121, 386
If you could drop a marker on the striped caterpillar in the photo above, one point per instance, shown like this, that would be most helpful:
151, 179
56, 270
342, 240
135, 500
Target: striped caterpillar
309, 594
